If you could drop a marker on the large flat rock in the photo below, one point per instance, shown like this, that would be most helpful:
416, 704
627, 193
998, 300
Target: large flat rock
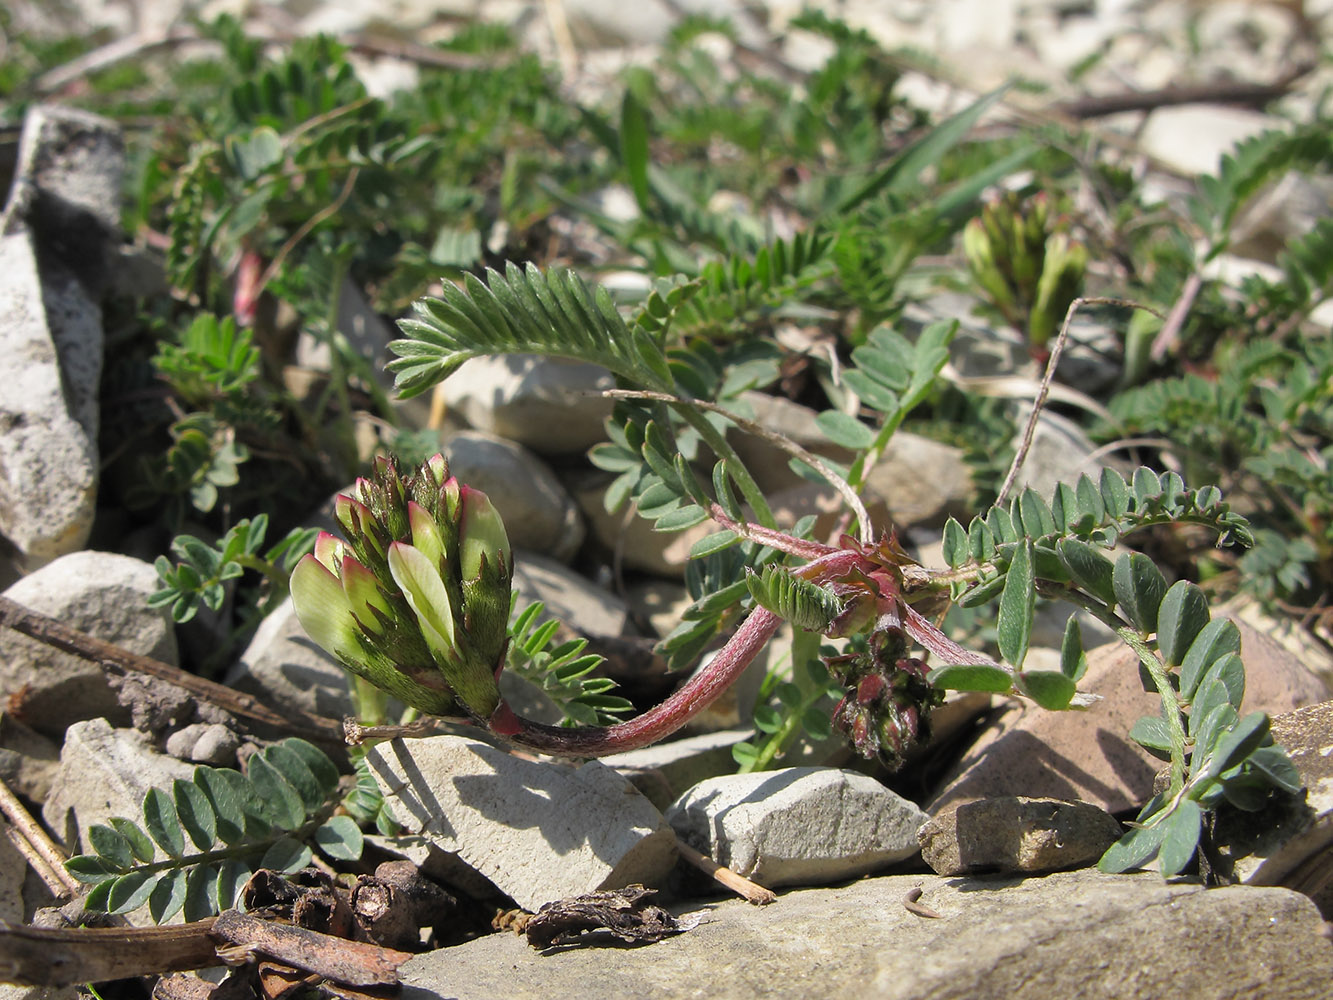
1077, 934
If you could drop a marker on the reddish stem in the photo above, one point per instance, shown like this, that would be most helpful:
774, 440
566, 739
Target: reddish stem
657, 723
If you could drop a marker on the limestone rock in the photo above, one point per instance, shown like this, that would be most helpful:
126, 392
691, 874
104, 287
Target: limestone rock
572, 598
205, 743
547, 404
664, 771
1076, 934
539, 831
1016, 834
284, 667
29, 761
538, 512
797, 825
55, 239
105, 772
103, 594
1026, 750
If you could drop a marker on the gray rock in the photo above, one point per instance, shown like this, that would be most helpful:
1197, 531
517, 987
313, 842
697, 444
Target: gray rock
205, 743
572, 598
538, 512
798, 825
62, 211
1026, 750
1077, 934
1016, 834
29, 761
547, 404
633, 539
103, 594
285, 667
539, 831
105, 772
13, 873
664, 771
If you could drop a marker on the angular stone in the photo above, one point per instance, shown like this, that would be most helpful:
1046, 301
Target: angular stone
797, 825
103, 594
567, 595
664, 771
55, 239
538, 512
105, 772
1088, 756
29, 761
538, 831
1016, 834
547, 404
1075, 934
285, 667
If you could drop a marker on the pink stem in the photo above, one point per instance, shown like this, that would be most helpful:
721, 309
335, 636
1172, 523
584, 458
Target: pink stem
657, 723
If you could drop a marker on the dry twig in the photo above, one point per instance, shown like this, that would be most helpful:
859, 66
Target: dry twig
753, 892
111, 657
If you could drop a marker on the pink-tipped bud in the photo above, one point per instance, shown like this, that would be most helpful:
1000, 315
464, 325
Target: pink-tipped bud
481, 534
426, 536
330, 551
363, 594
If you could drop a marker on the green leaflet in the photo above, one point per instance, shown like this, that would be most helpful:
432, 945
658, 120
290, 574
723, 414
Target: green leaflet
210, 840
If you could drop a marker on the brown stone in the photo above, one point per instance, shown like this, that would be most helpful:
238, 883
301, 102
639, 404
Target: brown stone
1088, 755
1016, 834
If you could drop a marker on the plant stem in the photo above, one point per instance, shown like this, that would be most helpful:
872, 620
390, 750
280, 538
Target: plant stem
1170, 706
1148, 657
657, 723
749, 488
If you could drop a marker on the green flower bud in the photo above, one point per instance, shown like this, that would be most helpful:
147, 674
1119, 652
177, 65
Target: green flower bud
481, 535
416, 601
323, 609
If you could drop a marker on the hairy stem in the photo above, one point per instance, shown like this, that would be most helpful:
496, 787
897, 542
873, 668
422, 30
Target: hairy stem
657, 723
1148, 657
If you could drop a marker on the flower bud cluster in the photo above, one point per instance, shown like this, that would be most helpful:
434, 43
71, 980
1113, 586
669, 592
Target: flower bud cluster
416, 600
887, 705
1025, 260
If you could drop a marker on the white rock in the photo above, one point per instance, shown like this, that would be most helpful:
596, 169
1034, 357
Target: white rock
105, 772
285, 667
1192, 138
65, 198
664, 771
538, 512
539, 831
572, 598
102, 593
799, 825
547, 404
49, 462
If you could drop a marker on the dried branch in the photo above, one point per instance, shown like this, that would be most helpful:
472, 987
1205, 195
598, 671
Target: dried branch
1218, 92
1030, 431
47, 956
31, 840
111, 657
752, 892
354, 963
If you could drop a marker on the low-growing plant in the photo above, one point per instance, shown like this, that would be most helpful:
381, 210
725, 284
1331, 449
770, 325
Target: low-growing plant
201, 840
